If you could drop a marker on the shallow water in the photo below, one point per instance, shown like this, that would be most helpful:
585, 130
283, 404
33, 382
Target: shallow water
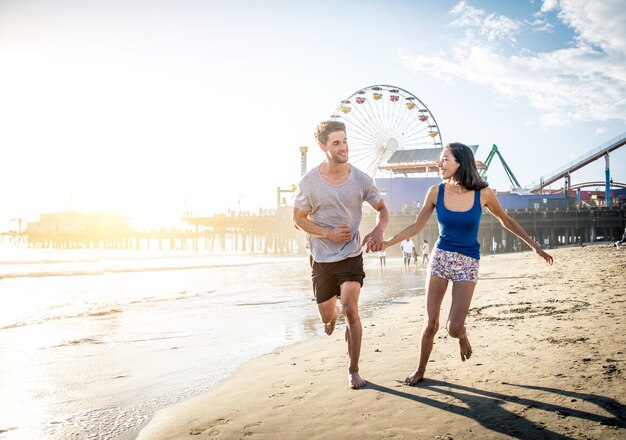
93, 343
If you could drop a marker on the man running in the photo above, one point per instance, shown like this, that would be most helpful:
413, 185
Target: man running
328, 207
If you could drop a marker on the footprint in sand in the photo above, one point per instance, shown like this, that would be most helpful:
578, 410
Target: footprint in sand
566, 341
210, 429
523, 310
610, 369
248, 430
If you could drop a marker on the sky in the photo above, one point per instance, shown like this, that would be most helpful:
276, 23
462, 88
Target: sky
153, 109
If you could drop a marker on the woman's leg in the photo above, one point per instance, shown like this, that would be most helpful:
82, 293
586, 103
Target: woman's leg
435, 291
462, 292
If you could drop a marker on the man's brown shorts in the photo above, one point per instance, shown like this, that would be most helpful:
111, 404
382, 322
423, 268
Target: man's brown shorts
328, 277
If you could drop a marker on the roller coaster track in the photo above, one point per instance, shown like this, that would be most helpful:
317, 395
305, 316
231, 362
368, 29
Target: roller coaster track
598, 184
578, 163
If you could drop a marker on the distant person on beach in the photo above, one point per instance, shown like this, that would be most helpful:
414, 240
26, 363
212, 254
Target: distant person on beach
425, 251
382, 256
619, 242
328, 207
459, 201
407, 251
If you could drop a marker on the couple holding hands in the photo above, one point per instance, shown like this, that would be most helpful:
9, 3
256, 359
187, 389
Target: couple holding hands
328, 207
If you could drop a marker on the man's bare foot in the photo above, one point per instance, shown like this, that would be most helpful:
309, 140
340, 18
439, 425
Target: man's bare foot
354, 381
415, 377
329, 327
466, 348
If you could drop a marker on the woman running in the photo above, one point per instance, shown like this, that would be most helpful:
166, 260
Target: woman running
459, 201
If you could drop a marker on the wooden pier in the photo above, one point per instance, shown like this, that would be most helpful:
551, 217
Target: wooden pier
266, 234
274, 233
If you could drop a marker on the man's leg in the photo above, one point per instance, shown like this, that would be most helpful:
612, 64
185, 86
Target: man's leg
350, 291
328, 314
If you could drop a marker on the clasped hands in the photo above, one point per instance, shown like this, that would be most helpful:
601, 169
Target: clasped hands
373, 241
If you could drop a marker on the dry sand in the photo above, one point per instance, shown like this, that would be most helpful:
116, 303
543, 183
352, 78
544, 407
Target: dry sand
549, 359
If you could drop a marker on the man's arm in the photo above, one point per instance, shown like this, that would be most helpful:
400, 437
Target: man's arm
374, 240
340, 233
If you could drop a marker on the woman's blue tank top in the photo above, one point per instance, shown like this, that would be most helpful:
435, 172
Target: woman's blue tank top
458, 231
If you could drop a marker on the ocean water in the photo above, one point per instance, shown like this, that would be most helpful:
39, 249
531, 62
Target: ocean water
93, 342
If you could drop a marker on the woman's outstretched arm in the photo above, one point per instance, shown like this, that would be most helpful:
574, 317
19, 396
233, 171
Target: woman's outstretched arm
494, 207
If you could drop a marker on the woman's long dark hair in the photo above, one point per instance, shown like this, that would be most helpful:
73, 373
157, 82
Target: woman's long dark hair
467, 173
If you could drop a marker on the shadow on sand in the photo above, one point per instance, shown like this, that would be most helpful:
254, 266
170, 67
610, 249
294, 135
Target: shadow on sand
486, 407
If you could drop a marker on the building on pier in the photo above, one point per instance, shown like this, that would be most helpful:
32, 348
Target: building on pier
77, 229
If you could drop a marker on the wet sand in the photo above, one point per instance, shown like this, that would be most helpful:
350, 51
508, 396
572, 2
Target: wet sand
549, 358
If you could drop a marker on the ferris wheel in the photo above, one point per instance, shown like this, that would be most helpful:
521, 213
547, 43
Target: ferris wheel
383, 119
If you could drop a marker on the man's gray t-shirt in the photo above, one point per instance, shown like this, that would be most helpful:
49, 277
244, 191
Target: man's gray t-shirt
330, 205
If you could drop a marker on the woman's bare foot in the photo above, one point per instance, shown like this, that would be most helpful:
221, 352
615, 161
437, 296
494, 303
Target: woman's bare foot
415, 377
466, 348
354, 380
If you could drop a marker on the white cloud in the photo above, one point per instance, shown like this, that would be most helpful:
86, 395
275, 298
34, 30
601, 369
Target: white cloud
549, 5
541, 25
466, 15
584, 82
493, 27
600, 23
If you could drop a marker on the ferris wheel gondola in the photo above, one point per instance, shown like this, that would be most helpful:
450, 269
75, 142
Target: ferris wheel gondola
383, 119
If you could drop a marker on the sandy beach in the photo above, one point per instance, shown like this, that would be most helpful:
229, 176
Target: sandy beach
549, 358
